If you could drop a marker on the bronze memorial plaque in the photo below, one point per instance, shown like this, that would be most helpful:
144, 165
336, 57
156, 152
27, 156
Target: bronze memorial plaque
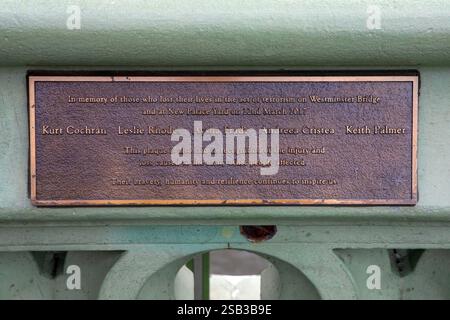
166, 140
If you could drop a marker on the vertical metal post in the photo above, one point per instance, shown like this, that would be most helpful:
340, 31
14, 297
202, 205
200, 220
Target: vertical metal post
198, 277
205, 275
201, 277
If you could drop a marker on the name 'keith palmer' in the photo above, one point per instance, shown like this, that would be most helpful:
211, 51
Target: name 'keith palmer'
377, 129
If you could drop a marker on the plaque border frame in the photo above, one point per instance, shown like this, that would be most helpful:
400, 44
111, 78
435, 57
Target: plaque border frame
32, 79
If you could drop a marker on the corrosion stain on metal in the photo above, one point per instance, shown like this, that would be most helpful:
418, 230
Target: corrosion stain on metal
258, 233
344, 140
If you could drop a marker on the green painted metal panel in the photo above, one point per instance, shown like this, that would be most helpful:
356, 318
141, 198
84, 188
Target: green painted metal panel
225, 33
141, 248
434, 189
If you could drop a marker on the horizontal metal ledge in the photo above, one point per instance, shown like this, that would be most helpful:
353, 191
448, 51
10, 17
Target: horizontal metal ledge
126, 237
225, 33
206, 215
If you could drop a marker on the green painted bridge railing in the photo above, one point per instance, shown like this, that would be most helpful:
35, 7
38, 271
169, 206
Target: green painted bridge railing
135, 252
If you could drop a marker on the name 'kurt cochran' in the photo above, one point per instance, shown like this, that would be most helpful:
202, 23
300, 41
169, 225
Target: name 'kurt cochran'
73, 130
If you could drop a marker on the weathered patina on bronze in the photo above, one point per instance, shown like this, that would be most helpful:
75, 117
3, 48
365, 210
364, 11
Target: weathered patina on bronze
344, 140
